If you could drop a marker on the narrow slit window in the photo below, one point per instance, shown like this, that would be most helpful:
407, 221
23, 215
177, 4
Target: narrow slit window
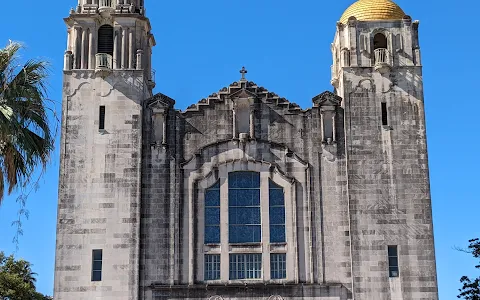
384, 114
393, 268
212, 214
97, 258
277, 213
101, 119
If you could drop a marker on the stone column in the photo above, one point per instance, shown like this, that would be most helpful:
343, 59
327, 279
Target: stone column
322, 125
352, 42
124, 48
84, 58
139, 59
91, 50
116, 33
252, 121
76, 48
69, 39
130, 49
234, 122
334, 127
68, 60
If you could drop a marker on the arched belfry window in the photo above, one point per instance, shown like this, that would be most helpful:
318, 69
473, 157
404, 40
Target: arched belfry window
380, 46
105, 40
245, 224
379, 41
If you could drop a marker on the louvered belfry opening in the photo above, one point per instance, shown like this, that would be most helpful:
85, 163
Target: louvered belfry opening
105, 39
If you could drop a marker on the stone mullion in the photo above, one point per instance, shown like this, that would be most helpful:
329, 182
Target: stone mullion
91, 50
265, 223
84, 50
116, 33
224, 256
123, 49
131, 49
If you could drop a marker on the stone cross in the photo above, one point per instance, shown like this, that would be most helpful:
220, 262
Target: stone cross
243, 71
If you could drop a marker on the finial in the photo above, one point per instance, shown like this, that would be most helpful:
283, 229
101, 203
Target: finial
243, 71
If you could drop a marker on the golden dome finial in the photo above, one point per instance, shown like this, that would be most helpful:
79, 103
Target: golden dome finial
373, 10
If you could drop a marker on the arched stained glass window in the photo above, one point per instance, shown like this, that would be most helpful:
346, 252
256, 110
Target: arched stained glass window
277, 213
244, 208
212, 214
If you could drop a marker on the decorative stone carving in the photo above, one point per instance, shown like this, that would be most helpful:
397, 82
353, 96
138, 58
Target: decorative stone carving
275, 298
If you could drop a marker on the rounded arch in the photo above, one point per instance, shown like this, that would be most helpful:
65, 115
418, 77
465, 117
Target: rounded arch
105, 40
380, 41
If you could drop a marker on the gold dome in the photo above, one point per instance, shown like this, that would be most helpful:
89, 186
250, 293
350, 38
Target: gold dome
373, 10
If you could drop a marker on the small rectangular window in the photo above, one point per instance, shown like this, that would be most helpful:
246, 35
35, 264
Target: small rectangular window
245, 266
393, 269
384, 114
101, 118
278, 266
212, 267
97, 257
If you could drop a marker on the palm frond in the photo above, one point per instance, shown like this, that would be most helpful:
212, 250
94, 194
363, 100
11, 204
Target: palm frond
26, 139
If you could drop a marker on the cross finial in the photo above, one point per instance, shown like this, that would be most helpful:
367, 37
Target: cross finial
243, 71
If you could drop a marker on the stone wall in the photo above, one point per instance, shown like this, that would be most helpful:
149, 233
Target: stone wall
99, 195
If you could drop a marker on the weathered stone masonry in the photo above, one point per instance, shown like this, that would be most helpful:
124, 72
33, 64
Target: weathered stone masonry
136, 171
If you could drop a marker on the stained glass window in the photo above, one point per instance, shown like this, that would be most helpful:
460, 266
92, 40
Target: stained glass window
245, 266
212, 214
244, 207
278, 266
277, 213
212, 267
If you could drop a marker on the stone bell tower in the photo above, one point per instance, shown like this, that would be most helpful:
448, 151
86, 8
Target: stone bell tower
107, 76
377, 70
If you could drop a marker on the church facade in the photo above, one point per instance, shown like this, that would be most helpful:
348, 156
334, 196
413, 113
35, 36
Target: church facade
244, 195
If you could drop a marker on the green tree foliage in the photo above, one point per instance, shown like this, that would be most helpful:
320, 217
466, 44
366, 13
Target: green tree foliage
17, 280
471, 287
26, 139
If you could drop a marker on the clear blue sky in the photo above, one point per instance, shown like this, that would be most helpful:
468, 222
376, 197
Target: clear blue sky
285, 45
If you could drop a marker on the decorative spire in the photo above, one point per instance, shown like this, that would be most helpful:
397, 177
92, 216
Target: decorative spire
243, 71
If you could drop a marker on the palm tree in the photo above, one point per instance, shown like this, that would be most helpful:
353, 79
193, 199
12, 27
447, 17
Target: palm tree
26, 140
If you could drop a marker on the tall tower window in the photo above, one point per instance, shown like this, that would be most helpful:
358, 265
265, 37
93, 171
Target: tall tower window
97, 258
393, 269
384, 114
101, 118
105, 39
244, 207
